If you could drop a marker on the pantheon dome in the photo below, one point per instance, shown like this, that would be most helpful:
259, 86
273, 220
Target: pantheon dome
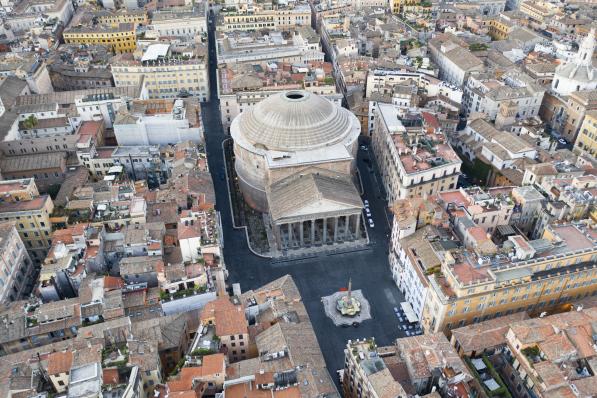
289, 132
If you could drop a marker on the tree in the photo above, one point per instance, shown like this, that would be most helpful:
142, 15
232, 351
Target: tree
30, 122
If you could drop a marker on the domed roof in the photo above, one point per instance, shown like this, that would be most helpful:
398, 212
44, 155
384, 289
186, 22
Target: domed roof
295, 120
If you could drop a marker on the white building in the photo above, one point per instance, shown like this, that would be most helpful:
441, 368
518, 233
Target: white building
578, 74
139, 162
454, 61
198, 235
485, 94
500, 148
15, 264
415, 161
242, 47
410, 258
26, 14
184, 22
101, 106
159, 122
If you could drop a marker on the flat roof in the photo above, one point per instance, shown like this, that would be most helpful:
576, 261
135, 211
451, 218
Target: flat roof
155, 51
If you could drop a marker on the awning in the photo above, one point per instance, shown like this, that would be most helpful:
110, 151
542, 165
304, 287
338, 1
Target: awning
115, 169
409, 312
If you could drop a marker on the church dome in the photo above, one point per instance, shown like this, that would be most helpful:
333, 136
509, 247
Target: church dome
579, 73
295, 120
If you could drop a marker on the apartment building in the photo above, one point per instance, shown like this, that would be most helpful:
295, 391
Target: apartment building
414, 160
15, 263
278, 18
184, 22
576, 193
524, 275
576, 107
412, 366
120, 38
586, 142
25, 325
107, 17
46, 168
227, 316
485, 94
32, 219
159, 122
538, 11
500, 27
24, 14
299, 46
498, 149
472, 213
284, 341
167, 71
240, 87
455, 61
551, 356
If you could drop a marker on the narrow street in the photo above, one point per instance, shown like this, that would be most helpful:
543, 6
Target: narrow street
315, 277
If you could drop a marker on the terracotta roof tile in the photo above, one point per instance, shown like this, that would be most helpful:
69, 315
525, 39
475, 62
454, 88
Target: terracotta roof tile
228, 318
113, 283
60, 362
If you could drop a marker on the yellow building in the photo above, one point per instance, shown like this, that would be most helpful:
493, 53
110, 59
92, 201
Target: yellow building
586, 142
121, 38
500, 28
533, 276
537, 10
395, 4
32, 219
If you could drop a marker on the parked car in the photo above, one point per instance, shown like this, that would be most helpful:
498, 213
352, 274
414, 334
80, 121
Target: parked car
367, 212
371, 224
366, 202
562, 141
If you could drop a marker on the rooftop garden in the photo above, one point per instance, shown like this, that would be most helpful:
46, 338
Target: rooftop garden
167, 296
533, 354
487, 374
87, 322
115, 356
478, 47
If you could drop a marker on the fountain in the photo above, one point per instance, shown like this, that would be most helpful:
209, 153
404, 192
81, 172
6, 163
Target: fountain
348, 305
347, 308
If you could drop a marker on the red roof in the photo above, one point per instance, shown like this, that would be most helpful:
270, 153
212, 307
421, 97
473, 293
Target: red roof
90, 127
430, 120
111, 376
60, 362
113, 283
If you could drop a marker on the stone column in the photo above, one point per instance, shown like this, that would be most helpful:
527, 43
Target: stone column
358, 226
325, 231
346, 227
277, 233
312, 232
335, 229
301, 233
290, 233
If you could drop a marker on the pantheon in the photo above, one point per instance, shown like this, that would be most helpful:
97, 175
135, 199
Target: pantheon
295, 158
